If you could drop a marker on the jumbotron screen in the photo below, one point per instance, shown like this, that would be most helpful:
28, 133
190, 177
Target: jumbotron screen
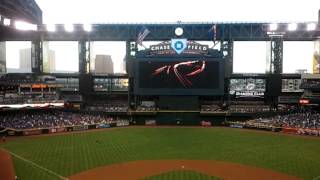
247, 87
185, 76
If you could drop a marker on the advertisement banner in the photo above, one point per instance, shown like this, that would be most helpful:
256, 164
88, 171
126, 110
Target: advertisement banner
53, 130
206, 123
150, 122
61, 129
80, 128
104, 126
31, 132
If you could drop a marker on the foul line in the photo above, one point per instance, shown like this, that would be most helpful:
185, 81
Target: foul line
36, 165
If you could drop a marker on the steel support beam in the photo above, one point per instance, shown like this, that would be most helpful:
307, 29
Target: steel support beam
227, 50
161, 32
36, 57
276, 59
83, 61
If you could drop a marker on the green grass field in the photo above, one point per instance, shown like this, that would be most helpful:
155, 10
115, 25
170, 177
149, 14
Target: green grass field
182, 175
72, 153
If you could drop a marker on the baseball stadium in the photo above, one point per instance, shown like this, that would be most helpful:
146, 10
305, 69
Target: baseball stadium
179, 108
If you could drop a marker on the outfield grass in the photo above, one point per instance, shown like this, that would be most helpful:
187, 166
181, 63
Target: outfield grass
182, 175
72, 153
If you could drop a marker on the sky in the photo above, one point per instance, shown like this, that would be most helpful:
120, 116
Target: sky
248, 56
13, 56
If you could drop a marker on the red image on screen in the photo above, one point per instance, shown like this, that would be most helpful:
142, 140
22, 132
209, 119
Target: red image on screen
191, 68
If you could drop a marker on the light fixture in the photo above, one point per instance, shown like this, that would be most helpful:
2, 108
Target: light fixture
311, 26
51, 27
178, 31
87, 27
292, 27
25, 26
68, 27
273, 27
6, 22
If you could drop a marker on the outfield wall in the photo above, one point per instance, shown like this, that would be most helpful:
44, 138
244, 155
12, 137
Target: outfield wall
28, 132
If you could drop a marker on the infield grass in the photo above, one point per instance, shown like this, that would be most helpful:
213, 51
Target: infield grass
182, 175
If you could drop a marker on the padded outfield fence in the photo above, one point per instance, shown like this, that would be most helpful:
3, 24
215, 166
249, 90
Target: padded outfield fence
38, 131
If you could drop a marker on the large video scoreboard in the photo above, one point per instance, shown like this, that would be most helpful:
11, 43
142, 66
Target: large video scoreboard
179, 76
247, 87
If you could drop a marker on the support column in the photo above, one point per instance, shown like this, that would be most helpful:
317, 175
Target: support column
276, 59
274, 80
131, 49
227, 50
82, 57
3, 57
36, 57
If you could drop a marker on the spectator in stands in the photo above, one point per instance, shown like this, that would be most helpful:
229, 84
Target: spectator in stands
307, 119
50, 118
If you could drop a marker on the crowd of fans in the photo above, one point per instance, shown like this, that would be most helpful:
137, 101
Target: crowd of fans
310, 84
114, 107
146, 108
50, 118
249, 108
28, 99
298, 119
236, 108
147, 105
211, 108
120, 107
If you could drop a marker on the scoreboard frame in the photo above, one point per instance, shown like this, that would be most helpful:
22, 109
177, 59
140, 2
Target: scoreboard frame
179, 91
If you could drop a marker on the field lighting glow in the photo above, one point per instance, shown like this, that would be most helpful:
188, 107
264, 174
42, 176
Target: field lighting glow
6, 22
273, 27
68, 27
311, 27
25, 26
292, 27
87, 27
51, 27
